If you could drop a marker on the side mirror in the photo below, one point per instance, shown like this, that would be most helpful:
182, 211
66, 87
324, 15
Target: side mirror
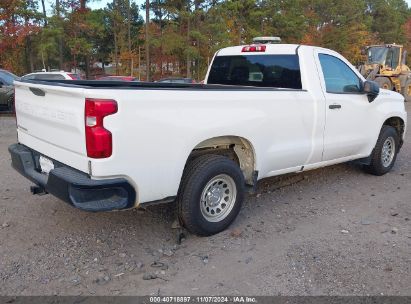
372, 89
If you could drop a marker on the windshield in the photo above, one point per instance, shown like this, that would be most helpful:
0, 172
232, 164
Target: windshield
277, 71
8, 77
376, 55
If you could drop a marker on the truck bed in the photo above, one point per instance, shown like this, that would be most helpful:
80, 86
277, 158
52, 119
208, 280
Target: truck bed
97, 84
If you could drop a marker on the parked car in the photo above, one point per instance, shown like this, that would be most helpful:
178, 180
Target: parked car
118, 78
51, 76
7, 90
177, 80
264, 110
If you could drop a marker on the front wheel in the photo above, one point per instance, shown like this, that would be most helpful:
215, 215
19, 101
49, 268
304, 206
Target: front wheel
385, 152
210, 195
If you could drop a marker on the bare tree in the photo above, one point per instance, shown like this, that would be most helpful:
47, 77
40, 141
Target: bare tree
44, 12
58, 13
147, 41
45, 25
129, 35
188, 44
115, 11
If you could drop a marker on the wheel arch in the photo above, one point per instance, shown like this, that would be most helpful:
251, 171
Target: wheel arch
397, 123
236, 148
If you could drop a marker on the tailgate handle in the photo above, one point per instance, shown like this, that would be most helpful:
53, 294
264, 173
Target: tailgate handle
38, 92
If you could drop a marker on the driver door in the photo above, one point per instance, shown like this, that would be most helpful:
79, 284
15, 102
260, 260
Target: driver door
346, 110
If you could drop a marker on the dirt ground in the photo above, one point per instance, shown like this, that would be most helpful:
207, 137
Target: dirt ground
332, 231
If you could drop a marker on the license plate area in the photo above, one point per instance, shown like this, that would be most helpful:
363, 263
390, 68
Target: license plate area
46, 165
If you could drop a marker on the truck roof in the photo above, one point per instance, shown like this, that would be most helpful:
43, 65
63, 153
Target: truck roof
273, 49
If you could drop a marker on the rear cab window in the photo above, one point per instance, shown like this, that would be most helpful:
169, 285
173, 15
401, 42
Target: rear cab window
272, 71
49, 77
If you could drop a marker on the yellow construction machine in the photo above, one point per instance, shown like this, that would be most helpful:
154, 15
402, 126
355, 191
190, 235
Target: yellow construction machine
386, 65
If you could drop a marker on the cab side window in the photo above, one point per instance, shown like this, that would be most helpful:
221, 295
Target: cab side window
339, 78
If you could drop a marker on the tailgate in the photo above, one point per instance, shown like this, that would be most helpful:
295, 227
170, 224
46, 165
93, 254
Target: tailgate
50, 119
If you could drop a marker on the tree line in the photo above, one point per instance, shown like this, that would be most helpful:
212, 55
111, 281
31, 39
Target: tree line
182, 36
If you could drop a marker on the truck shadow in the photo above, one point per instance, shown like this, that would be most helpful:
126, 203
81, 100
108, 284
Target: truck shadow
162, 216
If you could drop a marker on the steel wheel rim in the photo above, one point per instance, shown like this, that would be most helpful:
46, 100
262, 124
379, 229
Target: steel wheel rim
218, 198
388, 152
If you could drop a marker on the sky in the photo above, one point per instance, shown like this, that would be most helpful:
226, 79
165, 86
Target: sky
102, 3
94, 4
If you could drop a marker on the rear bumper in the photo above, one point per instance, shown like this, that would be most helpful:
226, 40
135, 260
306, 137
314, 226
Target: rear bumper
73, 186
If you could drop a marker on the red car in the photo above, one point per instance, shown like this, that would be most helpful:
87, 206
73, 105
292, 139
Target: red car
118, 78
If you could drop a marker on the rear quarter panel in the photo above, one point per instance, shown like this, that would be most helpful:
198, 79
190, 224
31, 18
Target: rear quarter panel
154, 131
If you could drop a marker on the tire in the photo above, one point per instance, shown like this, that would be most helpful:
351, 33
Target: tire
406, 90
384, 83
202, 192
382, 161
10, 104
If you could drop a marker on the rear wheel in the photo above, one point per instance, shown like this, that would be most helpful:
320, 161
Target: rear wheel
406, 91
385, 152
210, 195
384, 83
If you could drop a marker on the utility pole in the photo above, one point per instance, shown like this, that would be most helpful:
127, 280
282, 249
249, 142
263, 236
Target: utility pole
139, 63
44, 12
147, 43
60, 38
129, 36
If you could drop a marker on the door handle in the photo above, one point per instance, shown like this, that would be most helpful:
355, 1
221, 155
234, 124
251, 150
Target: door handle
334, 106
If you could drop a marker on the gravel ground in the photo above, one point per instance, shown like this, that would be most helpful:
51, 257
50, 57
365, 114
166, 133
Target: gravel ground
332, 231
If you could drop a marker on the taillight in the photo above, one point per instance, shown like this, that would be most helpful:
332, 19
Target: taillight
99, 140
254, 48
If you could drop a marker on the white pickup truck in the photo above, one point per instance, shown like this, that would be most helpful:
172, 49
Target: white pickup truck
264, 110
